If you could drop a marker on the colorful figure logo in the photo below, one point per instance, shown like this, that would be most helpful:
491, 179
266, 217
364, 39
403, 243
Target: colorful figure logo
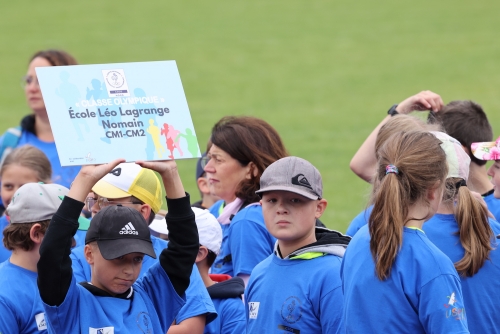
154, 131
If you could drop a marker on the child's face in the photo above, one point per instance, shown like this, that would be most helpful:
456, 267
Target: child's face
289, 216
494, 172
13, 177
114, 276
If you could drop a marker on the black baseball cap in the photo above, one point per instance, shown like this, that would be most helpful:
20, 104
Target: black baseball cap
120, 230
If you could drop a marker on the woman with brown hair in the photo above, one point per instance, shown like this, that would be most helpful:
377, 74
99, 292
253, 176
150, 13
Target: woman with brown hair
239, 150
395, 280
462, 230
35, 128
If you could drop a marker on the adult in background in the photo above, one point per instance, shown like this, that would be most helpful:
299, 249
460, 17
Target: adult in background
239, 150
35, 128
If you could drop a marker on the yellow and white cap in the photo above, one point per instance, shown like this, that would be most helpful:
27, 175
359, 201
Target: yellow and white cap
130, 179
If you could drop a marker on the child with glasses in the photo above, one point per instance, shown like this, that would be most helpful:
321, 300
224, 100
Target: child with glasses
116, 299
139, 188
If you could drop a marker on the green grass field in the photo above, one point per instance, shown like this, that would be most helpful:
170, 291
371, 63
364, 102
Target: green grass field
322, 72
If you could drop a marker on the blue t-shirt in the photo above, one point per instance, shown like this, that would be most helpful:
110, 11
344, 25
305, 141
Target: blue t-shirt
4, 252
478, 290
80, 238
359, 221
423, 293
216, 208
230, 319
493, 205
21, 308
151, 309
198, 301
245, 242
60, 175
295, 296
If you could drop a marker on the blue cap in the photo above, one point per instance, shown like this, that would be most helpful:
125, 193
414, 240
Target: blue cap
199, 168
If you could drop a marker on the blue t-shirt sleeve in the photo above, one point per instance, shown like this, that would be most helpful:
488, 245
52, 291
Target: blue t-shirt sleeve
331, 310
249, 244
61, 318
8, 319
441, 307
232, 317
198, 301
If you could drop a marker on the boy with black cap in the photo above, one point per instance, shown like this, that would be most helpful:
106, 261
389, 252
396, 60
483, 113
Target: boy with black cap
31, 208
139, 188
114, 302
298, 288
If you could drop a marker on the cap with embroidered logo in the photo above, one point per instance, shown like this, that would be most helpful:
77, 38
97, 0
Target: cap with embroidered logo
292, 174
120, 230
130, 179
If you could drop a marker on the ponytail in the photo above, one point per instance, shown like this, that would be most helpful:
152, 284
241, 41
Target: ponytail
421, 165
474, 231
386, 224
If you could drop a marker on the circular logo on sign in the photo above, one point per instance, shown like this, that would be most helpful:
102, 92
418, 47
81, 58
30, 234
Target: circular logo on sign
144, 323
291, 310
115, 79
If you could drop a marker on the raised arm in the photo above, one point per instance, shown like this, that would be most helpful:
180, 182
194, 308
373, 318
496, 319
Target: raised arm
364, 161
177, 260
54, 266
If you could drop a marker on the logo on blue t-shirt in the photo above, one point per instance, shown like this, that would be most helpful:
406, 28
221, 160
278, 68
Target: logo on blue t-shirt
291, 310
453, 309
102, 330
144, 323
253, 310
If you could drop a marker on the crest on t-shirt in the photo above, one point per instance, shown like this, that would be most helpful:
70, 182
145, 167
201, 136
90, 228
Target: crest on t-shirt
40, 321
454, 309
144, 323
253, 310
291, 310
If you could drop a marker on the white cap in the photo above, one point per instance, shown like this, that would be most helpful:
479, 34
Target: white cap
209, 230
159, 225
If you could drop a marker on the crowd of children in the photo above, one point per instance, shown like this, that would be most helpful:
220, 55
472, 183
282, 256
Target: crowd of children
252, 256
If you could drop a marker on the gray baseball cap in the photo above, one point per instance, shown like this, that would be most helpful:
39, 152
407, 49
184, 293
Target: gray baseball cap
35, 202
292, 174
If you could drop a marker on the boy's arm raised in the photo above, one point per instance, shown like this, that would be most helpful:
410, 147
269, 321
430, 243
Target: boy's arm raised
177, 260
54, 266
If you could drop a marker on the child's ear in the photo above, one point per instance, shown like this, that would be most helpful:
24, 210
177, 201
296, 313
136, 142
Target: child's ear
202, 254
35, 234
203, 185
89, 255
145, 211
320, 207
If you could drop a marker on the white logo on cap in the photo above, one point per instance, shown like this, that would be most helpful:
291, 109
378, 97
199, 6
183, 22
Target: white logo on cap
129, 229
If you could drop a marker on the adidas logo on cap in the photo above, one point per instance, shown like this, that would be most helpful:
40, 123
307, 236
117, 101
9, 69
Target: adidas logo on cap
129, 229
